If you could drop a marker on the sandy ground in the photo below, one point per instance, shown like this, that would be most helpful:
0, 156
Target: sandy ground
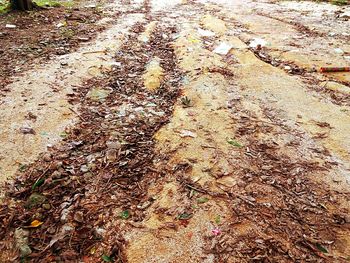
259, 130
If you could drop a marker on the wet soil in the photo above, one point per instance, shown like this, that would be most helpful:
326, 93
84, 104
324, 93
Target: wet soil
180, 153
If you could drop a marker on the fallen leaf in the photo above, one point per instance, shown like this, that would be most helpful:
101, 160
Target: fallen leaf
36, 223
38, 183
202, 200
321, 248
106, 258
184, 216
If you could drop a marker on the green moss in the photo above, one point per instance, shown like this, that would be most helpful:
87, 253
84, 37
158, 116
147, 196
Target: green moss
340, 2
5, 4
4, 7
52, 3
35, 199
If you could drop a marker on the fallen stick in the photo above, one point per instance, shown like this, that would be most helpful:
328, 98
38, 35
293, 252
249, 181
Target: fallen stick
335, 69
80, 117
93, 52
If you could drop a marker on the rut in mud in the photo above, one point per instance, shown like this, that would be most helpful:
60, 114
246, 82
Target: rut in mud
181, 154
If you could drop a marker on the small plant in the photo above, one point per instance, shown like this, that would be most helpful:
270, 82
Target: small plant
67, 33
340, 2
4, 7
186, 102
234, 143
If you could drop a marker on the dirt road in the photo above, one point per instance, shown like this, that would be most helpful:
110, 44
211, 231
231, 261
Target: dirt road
194, 131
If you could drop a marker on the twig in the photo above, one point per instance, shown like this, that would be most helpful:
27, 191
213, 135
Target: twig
80, 117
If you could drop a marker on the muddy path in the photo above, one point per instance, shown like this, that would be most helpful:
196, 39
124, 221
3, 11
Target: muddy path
177, 151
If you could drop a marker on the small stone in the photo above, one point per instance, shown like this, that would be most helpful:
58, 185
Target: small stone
100, 232
144, 205
84, 168
38, 216
345, 15
21, 237
113, 145
47, 157
79, 216
111, 155
56, 165
56, 175
46, 206
51, 230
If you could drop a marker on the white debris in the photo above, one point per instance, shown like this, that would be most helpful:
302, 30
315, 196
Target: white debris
10, 26
84, 39
157, 113
205, 33
187, 133
339, 51
60, 25
116, 64
345, 15
255, 42
151, 105
91, 6
223, 48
